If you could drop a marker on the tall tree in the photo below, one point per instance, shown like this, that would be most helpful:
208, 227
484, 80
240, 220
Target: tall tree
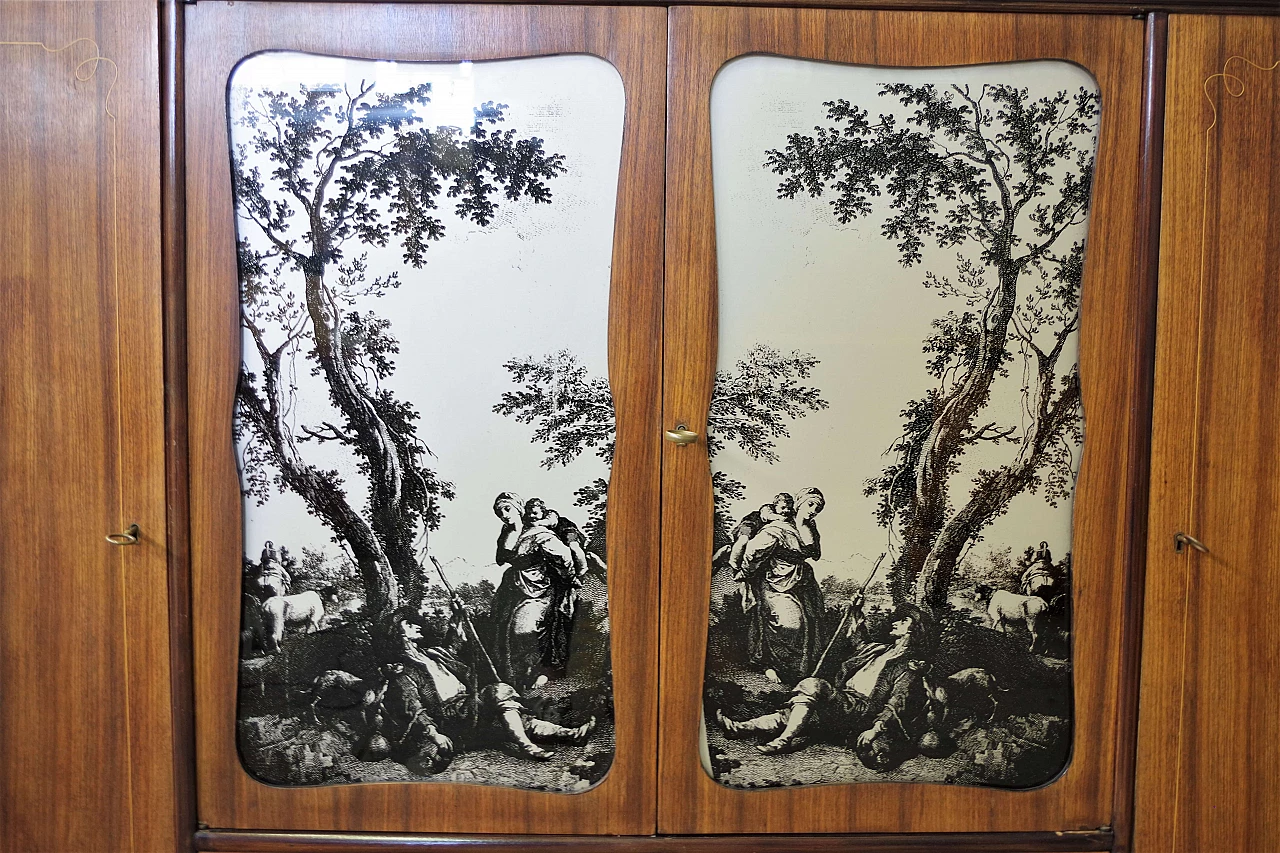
1005, 178
573, 412
324, 168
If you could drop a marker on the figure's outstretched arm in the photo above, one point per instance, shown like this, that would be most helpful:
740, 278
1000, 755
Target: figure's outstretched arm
857, 619
456, 637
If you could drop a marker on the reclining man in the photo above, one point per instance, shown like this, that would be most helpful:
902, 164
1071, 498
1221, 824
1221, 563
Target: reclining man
879, 702
433, 697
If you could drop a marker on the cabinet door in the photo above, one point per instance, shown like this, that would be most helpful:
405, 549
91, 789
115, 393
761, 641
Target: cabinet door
86, 725
884, 215
437, 312
1208, 723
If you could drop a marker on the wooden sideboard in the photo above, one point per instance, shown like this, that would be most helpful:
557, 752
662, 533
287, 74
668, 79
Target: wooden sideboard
117, 697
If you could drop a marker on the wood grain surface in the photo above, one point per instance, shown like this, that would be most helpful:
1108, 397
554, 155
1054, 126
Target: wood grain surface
702, 40
958, 842
173, 210
218, 36
86, 753
1209, 722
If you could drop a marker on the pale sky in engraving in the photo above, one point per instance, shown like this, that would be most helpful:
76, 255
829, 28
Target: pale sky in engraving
534, 281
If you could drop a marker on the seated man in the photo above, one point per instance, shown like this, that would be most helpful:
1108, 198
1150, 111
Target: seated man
432, 697
879, 702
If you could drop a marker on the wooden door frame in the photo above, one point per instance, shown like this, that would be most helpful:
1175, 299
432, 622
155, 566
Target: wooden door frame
633, 40
1110, 482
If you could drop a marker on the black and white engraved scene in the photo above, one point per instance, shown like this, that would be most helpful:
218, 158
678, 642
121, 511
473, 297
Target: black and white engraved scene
423, 426
896, 427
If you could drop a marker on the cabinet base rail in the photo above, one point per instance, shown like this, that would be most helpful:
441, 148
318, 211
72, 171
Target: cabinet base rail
241, 841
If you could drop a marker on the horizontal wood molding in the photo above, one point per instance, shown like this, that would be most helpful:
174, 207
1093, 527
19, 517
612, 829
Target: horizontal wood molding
1007, 842
1087, 7
1112, 49
633, 39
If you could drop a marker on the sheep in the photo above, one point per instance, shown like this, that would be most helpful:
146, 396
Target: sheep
1007, 608
281, 610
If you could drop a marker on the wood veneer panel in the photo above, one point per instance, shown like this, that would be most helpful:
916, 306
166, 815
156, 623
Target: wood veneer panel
1209, 723
218, 36
173, 213
702, 40
86, 752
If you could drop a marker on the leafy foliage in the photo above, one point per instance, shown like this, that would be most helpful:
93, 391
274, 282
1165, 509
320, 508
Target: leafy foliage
594, 496
573, 412
751, 404
478, 596
959, 167
750, 407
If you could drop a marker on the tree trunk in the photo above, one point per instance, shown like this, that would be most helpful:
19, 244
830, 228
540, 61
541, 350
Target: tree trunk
374, 441
926, 516
382, 592
993, 497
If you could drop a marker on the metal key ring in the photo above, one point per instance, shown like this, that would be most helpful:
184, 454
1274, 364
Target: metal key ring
129, 537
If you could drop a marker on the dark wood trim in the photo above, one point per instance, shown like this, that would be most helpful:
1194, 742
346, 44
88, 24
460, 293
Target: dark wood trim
1152, 166
325, 842
1087, 7
174, 297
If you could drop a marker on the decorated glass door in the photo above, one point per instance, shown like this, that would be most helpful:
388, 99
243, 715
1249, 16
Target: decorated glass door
424, 275
891, 313
425, 307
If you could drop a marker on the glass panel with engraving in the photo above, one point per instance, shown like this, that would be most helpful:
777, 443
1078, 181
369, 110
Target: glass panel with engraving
424, 424
896, 424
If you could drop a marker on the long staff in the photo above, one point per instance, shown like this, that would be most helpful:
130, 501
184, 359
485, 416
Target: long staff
475, 637
848, 608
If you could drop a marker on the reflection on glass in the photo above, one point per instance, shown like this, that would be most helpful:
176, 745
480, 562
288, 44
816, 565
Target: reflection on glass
896, 422
423, 424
